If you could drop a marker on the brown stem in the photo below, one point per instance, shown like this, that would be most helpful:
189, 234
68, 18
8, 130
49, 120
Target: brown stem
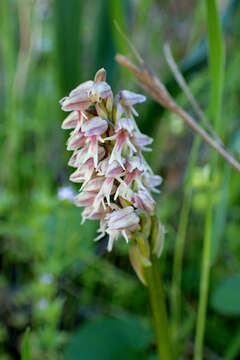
158, 91
184, 86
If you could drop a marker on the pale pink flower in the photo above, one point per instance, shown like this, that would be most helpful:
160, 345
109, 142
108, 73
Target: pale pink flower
129, 98
106, 190
95, 184
124, 191
107, 156
125, 124
119, 222
85, 198
79, 157
76, 140
152, 181
78, 99
71, 121
122, 138
83, 173
100, 90
112, 172
83, 89
84, 94
93, 129
141, 141
135, 168
94, 126
143, 200
92, 214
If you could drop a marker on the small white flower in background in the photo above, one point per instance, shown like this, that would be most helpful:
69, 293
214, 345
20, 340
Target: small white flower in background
42, 304
46, 279
116, 179
66, 193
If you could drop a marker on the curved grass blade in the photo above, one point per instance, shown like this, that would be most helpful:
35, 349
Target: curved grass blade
26, 354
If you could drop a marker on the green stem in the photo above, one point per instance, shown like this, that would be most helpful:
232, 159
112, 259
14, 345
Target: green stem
159, 311
204, 284
175, 300
177, 267
216, 67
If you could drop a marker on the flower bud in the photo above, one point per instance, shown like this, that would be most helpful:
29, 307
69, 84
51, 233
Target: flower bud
109, 104
144, 248
157, 237
100, 75
135, 256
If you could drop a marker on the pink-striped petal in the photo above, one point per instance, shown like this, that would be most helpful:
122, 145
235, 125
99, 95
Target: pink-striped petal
94, 126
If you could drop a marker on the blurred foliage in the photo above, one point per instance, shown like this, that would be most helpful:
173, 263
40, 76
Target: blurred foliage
53, 277
26, 355
127, 338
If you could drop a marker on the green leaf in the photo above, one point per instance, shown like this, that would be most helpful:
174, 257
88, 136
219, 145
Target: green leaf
220, 215
233, 349
26, 346
216, 59
102, 41
226, 297
153, 357
68, 20
109, 338
104, 51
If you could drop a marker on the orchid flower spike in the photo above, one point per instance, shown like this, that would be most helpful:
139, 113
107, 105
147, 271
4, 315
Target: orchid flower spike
107, 156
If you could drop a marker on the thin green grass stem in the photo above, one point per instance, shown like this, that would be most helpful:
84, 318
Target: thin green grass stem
204, 283
176, 296
216, 67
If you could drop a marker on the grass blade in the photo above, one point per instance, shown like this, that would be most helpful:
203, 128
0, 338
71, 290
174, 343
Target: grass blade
25, 355
68, 20
216, 68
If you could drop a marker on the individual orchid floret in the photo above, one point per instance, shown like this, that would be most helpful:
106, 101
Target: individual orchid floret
140, 141
112, 173
121, 222
135, 168
76, 140
143, 200
94, 126
83, 173
71, 121
129, 98
152, 182
116, 181
79, 98
86, 93
93, 129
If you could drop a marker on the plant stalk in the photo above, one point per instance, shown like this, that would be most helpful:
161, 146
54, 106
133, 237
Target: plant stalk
216, 67
177, 267
204, 284
159, 311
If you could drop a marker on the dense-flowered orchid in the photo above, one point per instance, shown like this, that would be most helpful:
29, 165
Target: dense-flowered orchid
107, 156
